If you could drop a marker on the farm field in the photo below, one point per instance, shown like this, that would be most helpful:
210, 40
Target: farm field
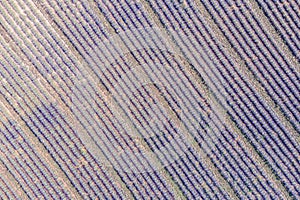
149, 99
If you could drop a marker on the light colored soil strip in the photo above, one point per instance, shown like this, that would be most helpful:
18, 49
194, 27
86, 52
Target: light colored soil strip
42, 153
11, 182
271, 29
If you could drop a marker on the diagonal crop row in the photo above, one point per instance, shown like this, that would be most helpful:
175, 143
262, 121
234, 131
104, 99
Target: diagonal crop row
6, 192
285, 20
20, 165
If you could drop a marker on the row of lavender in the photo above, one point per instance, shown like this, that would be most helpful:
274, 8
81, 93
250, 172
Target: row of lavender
284, 16
6, 192
235, 164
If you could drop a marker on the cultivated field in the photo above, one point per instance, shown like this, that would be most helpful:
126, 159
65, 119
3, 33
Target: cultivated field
149, 99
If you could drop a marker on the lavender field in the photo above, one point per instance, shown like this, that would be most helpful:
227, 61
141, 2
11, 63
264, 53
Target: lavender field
149, 99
